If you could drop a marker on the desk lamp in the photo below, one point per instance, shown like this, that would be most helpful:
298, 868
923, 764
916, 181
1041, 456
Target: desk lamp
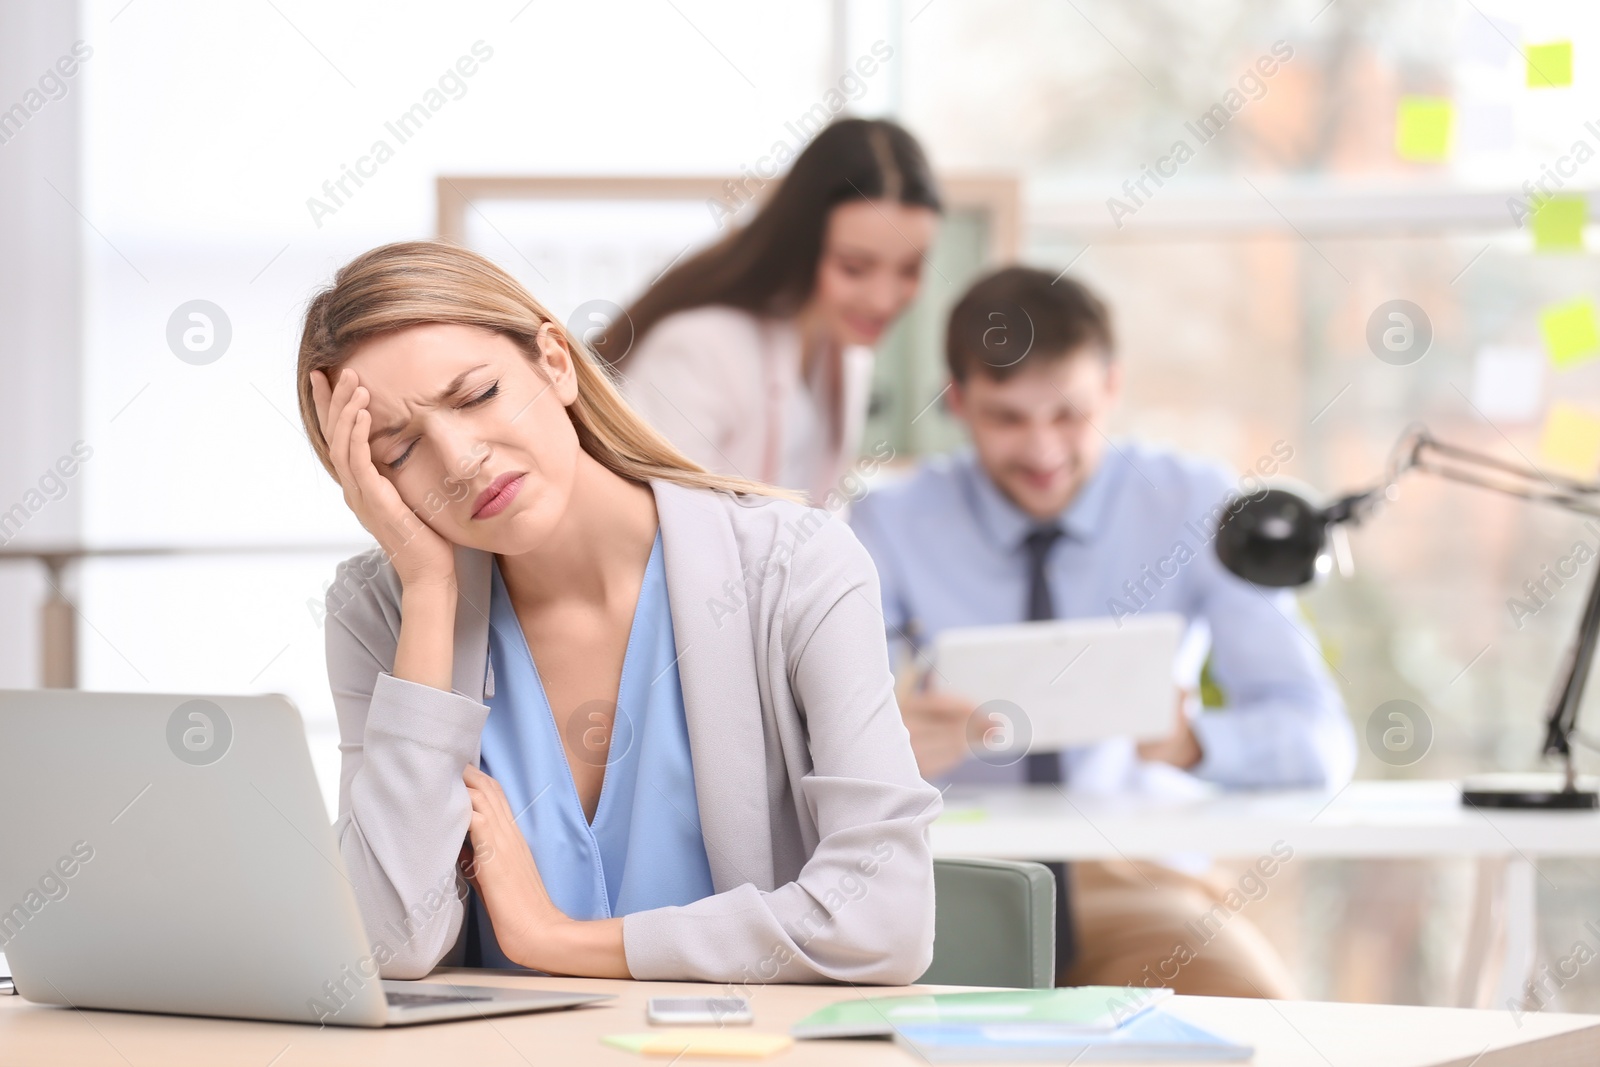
1278, 539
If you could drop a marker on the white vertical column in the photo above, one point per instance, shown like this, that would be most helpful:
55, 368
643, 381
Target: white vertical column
858, 26
40, 309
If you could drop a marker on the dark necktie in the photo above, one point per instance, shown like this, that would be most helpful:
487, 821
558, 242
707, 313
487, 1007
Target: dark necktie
1046, 766
1041, 766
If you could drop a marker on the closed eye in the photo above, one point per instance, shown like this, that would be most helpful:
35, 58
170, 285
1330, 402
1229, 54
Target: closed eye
394, 464
488, 394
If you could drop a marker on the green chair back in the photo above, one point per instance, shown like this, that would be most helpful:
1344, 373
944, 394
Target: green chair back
994, 924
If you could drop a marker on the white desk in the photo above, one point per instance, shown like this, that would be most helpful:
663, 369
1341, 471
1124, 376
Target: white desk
1364, 820
1285, 1034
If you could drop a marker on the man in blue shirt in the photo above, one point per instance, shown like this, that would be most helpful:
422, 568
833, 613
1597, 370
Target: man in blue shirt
1046, 517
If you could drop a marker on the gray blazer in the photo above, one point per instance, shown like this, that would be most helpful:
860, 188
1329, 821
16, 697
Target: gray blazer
813, 813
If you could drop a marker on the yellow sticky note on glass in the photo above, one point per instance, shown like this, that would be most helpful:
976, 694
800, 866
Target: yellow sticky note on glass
1558, 223
1422, 128
1549, 65
1571, 440
728, 1044
1570, 332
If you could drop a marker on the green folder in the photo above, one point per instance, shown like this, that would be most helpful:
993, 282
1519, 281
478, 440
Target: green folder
1073, 1009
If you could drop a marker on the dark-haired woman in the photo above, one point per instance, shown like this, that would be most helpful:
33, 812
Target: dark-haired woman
754, 357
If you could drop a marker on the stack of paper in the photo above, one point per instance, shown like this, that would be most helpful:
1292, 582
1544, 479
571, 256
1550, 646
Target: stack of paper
1156, 1036
1084, 1024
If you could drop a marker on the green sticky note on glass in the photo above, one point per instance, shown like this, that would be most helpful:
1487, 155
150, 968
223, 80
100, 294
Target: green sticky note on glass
1422, 129
1570, 333
1550, 65
1558, 224
1571, 441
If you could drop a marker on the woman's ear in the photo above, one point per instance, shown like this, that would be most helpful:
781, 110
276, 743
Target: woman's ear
558, 362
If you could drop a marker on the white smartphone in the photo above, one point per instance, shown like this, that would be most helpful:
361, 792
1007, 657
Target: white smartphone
699, 1011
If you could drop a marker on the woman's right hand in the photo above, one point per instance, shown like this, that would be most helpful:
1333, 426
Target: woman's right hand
418, 554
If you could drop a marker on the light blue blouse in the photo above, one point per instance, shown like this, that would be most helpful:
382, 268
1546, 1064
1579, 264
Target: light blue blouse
644, 849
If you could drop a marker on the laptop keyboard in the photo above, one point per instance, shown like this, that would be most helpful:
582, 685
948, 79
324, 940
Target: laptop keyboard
423, 1000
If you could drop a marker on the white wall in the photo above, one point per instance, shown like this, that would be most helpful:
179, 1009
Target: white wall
40, 283
207, 129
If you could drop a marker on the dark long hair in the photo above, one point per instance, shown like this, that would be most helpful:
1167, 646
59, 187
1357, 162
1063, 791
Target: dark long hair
769, 266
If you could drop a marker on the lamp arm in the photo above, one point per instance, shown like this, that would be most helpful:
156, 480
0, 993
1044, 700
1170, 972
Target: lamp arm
1564, 714
1418, 450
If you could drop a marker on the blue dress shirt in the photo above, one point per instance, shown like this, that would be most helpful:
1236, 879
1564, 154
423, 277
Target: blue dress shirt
644, 849
948, 547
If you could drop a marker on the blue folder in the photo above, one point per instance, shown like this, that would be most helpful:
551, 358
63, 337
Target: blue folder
1156, 1035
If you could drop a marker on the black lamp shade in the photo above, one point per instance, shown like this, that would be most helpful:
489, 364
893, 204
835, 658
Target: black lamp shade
1273, 538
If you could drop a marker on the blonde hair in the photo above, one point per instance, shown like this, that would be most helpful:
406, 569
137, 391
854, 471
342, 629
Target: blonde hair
413, 283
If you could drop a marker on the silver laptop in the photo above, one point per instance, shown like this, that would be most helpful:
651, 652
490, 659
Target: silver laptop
173, 854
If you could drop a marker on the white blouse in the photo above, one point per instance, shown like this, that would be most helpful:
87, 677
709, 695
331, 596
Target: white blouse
725, 387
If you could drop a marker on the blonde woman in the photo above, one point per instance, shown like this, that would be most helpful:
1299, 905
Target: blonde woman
601, 712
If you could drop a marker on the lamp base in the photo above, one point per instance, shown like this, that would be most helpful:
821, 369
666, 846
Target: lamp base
1529, 792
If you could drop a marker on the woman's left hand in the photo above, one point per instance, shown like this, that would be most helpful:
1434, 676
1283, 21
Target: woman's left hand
530, 929
504, 873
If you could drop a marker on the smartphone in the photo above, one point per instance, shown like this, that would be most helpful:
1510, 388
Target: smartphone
699, 1011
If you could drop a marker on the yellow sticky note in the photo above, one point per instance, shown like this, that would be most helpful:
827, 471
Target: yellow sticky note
1558, 223
729, 1044
1570, 333
951, 815
1549, 65
1422, 128
1571, 440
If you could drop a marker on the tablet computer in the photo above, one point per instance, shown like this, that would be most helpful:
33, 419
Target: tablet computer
1067, 682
